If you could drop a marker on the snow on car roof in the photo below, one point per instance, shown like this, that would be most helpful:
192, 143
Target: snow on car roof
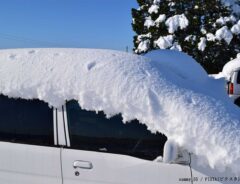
231, 67
166, 90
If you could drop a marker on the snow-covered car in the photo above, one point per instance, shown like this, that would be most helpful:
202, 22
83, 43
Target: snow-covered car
97, 116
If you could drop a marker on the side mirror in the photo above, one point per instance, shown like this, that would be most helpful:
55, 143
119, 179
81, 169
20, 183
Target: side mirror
174, 154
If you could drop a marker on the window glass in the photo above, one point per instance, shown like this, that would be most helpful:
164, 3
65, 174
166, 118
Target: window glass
93, 131
25, 121
238, 77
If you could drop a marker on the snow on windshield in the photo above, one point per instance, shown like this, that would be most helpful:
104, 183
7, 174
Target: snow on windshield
166, 90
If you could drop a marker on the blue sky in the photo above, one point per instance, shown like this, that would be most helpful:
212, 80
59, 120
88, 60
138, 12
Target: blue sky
66, 23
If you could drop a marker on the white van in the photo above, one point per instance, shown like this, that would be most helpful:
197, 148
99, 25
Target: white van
234, 87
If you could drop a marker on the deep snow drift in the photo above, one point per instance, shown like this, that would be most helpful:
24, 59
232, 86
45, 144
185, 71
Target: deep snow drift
166, 90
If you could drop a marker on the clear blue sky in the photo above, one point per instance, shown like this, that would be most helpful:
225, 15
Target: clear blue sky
66, 23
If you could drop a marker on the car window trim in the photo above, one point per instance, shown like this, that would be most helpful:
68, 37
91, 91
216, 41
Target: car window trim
67, 135
62, 140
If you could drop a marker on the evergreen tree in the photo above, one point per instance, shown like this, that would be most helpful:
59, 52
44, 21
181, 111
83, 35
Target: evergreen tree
201, 28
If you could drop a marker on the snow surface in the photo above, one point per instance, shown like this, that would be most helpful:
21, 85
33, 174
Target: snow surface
143, 36
203, 31
176, 47
156, 1
144, 42
202, 44
236, 28
217, 76
190, 38
210, 37
230, 67
161, 18
233, 5
166, 90
153, 9
164, 42
224, 34
224, 20
149, 22
143, 46
175, 22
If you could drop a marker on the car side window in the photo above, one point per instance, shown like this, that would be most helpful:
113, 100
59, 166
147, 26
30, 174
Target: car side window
26, 121
94, 132
238, 77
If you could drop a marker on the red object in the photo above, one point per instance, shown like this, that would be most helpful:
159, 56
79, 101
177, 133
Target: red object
231, 88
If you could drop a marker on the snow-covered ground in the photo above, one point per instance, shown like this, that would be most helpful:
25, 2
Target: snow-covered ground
166, 90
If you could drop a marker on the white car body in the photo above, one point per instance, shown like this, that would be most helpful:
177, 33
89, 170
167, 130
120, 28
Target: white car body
22, 163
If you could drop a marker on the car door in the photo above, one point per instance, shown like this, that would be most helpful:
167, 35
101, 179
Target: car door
28, 153
105, 150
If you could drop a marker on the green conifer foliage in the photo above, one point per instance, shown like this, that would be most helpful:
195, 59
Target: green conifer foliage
207, 35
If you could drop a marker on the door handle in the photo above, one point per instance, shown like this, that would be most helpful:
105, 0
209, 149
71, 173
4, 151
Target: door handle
82, 164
